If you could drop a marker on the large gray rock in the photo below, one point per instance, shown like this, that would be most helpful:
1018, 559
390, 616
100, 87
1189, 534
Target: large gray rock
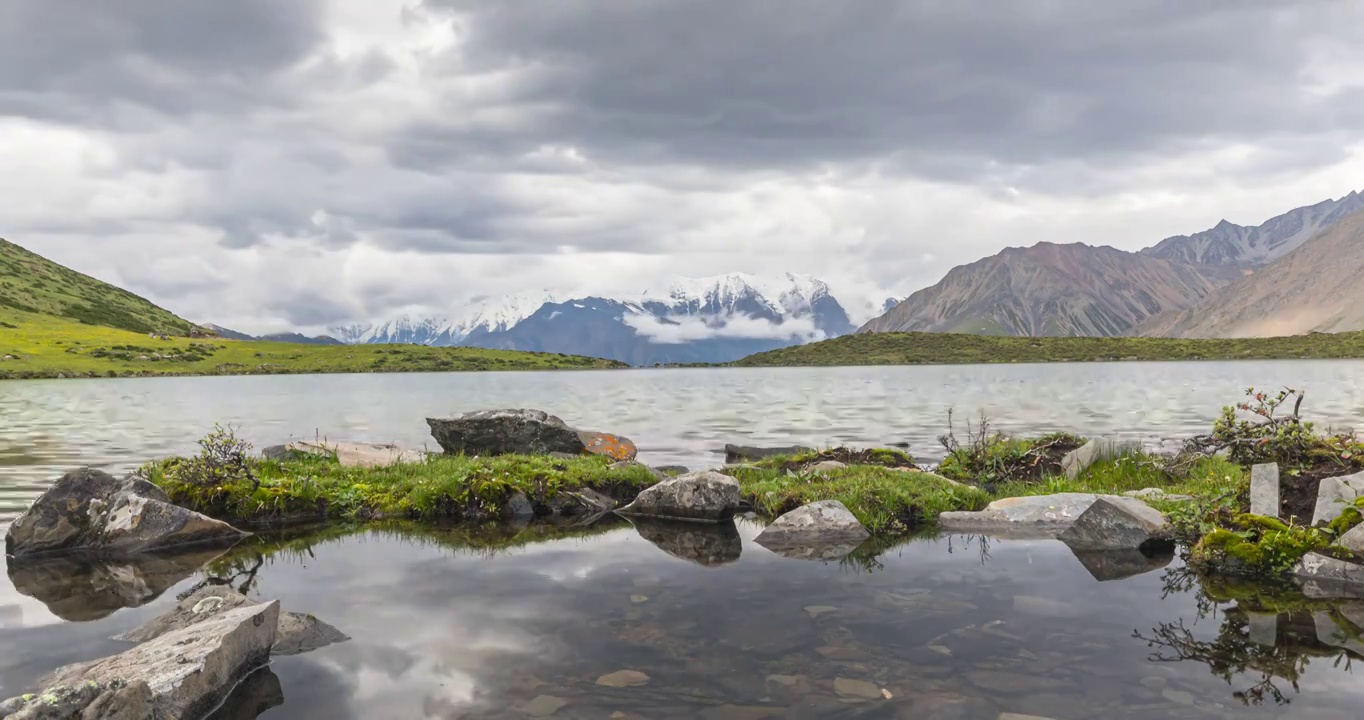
1264, 490
295, 634
117, 700
818, 523
91, 512
742, 453
188, 672
1095, 450
348, 454
706, 496
1038, 515
82, 589
1333, 494
1108, 525
1353, 540
1318, 567
523, 432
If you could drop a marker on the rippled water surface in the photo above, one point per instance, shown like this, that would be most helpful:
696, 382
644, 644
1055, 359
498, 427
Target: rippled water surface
675, 416
456, 623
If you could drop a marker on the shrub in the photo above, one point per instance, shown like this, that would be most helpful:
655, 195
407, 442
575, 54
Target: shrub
222, 460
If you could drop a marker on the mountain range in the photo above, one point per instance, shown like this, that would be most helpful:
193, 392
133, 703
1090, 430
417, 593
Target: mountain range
691, 320
1289, 275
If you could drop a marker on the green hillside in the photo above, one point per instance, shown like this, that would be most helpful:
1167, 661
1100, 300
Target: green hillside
945, 348
31, 283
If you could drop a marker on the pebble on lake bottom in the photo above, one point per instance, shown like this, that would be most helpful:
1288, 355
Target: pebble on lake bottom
623, 679
543, 706
637, 599
861, 689
817, 610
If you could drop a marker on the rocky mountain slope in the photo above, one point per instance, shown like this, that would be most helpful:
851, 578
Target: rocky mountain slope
1246, 247
1316, 287
1053, 290
712, 319
32, 283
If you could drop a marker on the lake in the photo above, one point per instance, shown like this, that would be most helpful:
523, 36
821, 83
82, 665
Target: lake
457, 622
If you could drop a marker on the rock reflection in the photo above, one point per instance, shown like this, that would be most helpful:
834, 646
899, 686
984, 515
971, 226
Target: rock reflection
83, 589
1268, 635
705, 544
1107, 565
256, 694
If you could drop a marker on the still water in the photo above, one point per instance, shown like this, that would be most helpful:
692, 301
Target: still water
455, 623
678, 417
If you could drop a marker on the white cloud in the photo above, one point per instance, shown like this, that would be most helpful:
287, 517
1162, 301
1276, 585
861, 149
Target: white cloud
677, 329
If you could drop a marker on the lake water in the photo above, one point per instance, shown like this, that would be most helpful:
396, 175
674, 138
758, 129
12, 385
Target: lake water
675, 416
455, 623
445, 624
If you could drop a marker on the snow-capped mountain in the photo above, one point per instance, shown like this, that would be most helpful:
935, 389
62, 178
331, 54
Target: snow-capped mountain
711, 319
1247, 247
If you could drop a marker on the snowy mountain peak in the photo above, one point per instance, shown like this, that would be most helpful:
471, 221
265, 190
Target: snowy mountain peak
500, 313
780, 294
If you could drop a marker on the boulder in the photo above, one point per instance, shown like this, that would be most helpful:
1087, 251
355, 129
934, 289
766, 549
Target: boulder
1318, 567
1333, 494
116, 700
1080, 459
295, 633
523, 432
742, 453
348, 454
705, 544
1038, 515
91, 512
1353, 540
705, 496
188, 672
1107, 525
1264, 489
826, 521
81, 589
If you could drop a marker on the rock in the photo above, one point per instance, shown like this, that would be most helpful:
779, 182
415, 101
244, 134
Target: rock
1315, 566
1106, 565
1264, 489
1040, 515
1333, 494
1353, 540
117, 700
1080, 459
1106, 525
827, 465
91, 512
708, 544
607, 445
1155, 494
704, 496
295, 633
519, 506
740, 453
860, 689
671, 470
623, 679
191, 671
544, 706
587, 500
826, 523
82, 589
349, 454
523, 432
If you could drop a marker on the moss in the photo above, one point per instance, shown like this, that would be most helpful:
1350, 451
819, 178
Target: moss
1349, 518
1258, 546
445, 487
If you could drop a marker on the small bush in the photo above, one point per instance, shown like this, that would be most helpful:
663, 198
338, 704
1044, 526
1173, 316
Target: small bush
223, 459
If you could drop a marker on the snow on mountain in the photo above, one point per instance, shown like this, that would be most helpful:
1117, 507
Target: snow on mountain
777, 295
490, 315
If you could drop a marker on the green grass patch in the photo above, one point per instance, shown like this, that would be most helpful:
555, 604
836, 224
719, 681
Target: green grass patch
958, 348
46, 346
444, 487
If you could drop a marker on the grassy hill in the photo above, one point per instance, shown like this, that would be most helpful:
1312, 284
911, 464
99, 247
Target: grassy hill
945, 348
31, 283
57, 322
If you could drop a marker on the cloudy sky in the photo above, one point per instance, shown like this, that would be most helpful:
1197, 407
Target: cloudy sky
270, 165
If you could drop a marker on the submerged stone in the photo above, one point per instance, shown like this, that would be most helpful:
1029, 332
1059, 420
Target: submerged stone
1333, 494
91, 512
1107, 525
623, 679
860, 689
705, 496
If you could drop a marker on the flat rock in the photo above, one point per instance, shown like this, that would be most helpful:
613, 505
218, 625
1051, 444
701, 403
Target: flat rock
544, 706
826, 522
623, 679
1095, 450
1264, 489
1106, 525
1040, 515
861, 689
351, 454
1353, 540
1333, 494
191, 671
705, 544
1315, 566
705, 496
90, 512
741, 453
615, 447
295, 633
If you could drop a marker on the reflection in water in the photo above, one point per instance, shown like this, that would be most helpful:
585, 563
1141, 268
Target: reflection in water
83, 589
705, 544
1107, 565
259, 692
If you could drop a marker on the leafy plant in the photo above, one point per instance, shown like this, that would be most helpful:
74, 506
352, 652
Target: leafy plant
990, 458
223, 459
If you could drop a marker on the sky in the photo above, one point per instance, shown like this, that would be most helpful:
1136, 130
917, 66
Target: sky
274, 166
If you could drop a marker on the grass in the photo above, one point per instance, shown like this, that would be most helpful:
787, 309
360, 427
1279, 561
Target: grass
30, 283
47, 346
444, 487
949, 348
